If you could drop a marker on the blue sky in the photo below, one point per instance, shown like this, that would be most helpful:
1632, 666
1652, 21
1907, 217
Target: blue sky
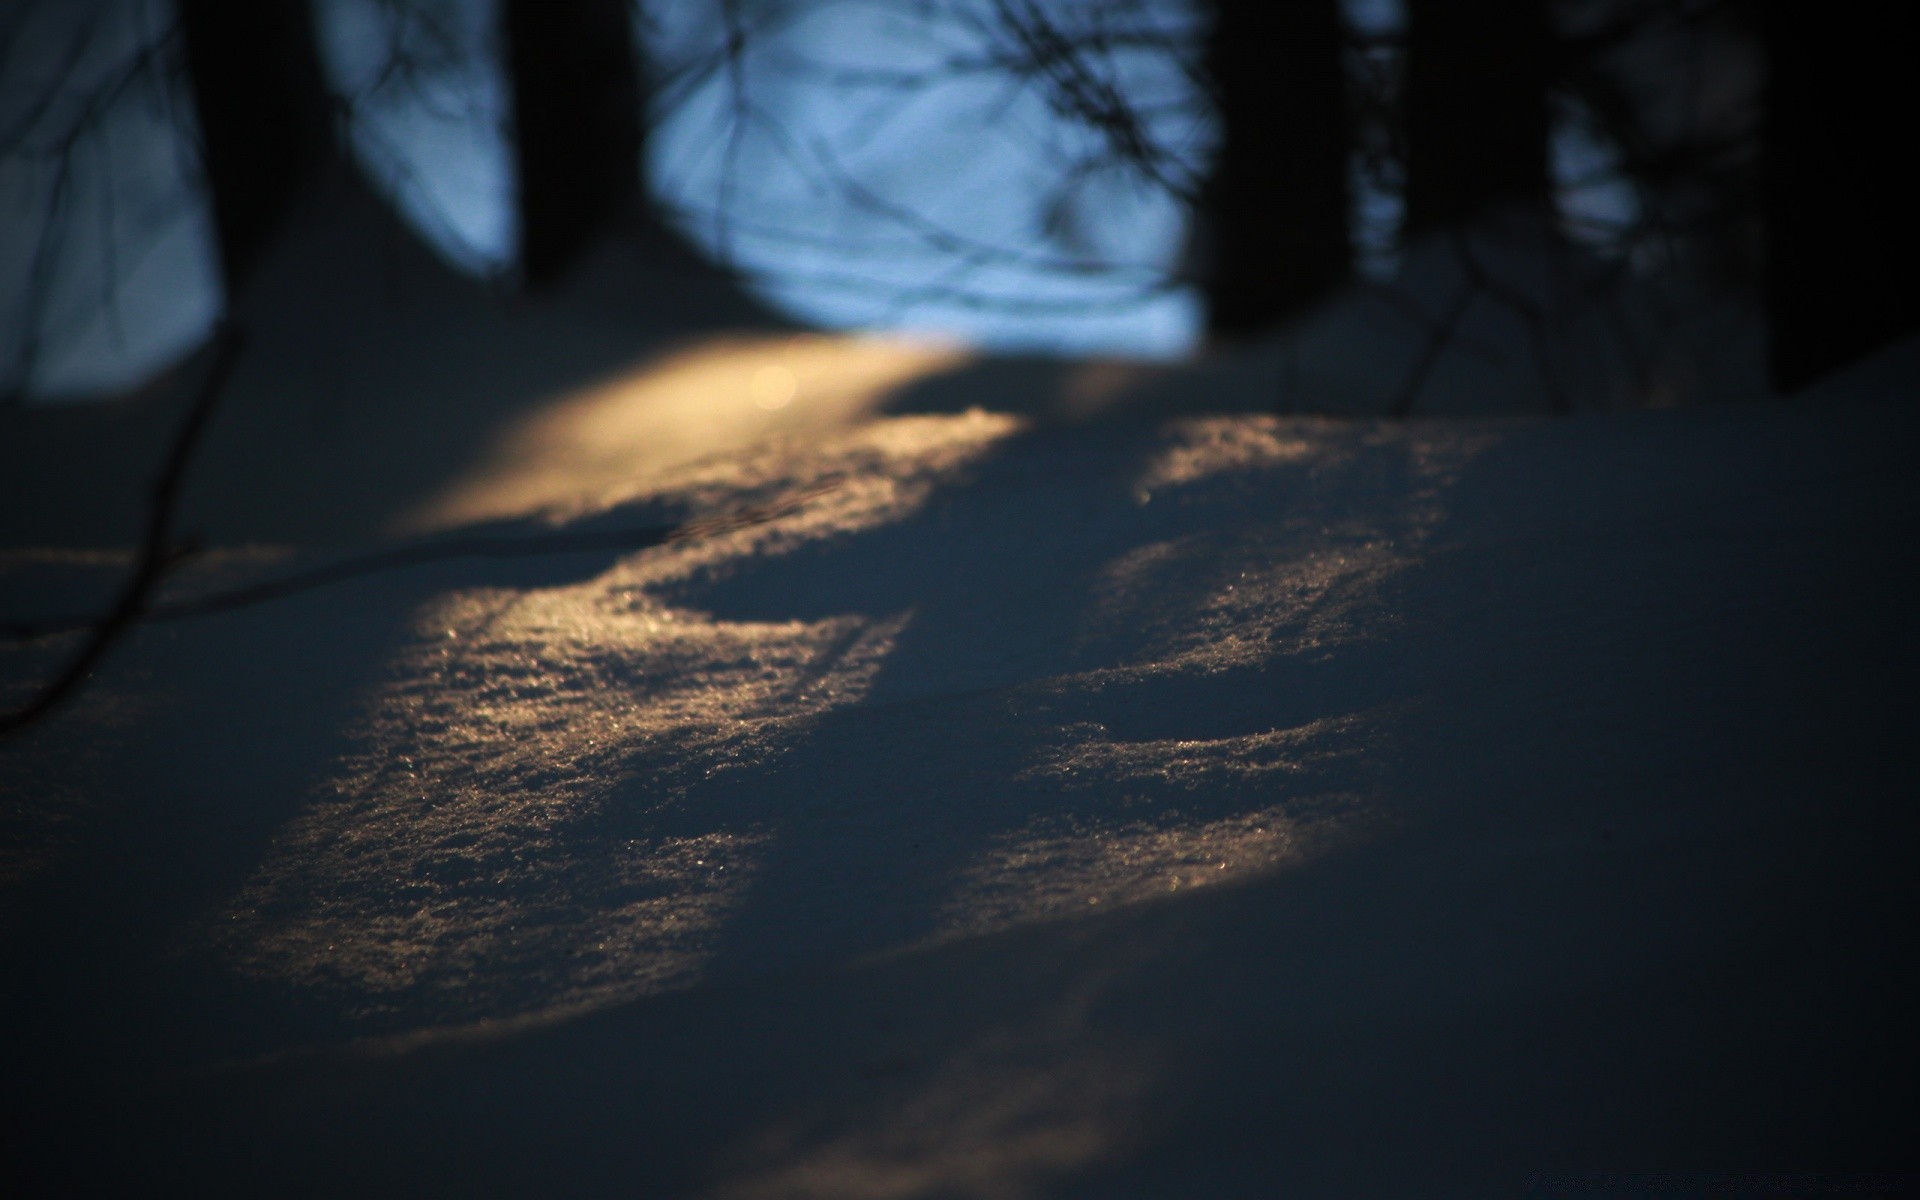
861, 166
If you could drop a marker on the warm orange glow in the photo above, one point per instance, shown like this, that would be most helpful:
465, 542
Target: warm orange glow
1206, 446
487, 821
991, 1120
576, 791
598, 446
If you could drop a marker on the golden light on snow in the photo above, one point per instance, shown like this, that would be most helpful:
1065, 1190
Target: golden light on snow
773, 387
514, 831
1205, 446
717, 397
990, 1121
1064, 875
1003, 710
1057, 868
493, 821
802, 733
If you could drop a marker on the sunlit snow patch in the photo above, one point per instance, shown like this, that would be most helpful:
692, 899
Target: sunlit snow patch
507, 838
608, 441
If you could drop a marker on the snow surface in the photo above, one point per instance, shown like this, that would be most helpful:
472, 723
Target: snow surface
1023, 778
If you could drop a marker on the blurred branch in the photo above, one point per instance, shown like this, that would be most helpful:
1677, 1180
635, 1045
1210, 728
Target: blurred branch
1083, 64
1439, 338
1480, 282
426, 552
49, 133
1064, 63
159, 552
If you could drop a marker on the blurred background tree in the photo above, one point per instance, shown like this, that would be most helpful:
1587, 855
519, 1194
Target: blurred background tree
1127, 176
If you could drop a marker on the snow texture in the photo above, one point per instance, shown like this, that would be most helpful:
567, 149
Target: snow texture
1017, 779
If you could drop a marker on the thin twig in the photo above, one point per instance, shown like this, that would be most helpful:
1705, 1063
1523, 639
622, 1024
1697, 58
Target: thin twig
425, 552
1437, 340
1531, 315
158, 551
1480, 282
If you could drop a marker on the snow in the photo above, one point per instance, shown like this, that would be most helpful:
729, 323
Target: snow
1025, 778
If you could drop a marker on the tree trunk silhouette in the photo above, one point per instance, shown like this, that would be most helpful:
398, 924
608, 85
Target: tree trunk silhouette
1842, 246
1475, 104
264, 113
578, 126
1277, 203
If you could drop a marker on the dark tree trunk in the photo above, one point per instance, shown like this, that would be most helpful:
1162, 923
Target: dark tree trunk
1475, 104
578, 126
1277, 204
265, 118
1843, 251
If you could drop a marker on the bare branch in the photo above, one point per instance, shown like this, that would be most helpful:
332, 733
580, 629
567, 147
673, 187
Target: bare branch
433, 550
159, 552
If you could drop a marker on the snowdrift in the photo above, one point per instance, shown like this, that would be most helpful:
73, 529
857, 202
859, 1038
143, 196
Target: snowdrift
982, 778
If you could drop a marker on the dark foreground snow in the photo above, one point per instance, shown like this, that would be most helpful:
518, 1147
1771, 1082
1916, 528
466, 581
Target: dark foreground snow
1055, 797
